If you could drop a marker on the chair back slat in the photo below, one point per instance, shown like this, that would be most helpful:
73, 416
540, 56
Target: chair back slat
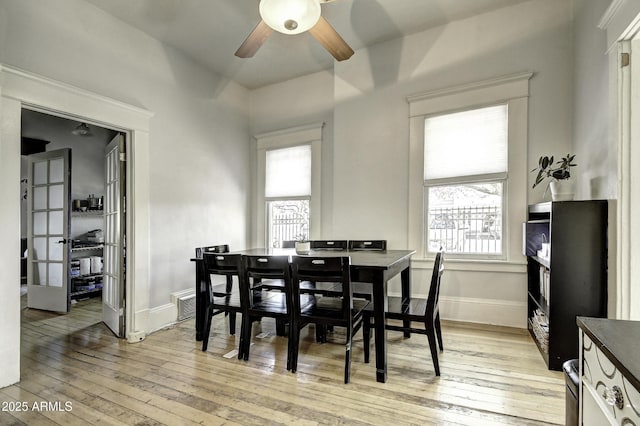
222, 263
380, 245
329, 244
221, 248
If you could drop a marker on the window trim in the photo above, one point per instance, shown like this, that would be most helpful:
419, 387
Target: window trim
512, 90
310, 134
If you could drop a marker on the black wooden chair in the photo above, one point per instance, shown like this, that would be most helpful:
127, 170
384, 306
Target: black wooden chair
329, 244
364, 290
325, 311
229, 303
260, 303
222, 288
420, 310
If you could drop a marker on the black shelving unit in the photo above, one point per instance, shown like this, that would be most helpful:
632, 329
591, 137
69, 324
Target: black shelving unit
575, 273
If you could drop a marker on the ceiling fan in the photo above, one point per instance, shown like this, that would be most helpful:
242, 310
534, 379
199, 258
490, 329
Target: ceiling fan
294, 17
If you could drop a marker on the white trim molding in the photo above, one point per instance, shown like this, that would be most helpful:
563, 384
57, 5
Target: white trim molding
514, 91
491, 311
621, 20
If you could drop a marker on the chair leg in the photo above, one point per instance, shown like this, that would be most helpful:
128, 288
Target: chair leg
366, 337
432, 345
290, 346
280, 327
295, 349
207, 329
247, 338
347, 356
242, 334
321, 333
439, 331
232, 323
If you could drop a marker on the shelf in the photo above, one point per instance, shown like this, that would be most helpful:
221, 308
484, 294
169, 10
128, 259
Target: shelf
88, 213
87, 276
543, 352
94, 291
540, 302
80, 249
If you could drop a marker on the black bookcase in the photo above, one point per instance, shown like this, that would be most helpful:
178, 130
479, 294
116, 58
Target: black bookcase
572, 280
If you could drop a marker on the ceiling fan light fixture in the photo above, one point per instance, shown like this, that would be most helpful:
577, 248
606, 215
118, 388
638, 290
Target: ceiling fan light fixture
290, 16
81, 130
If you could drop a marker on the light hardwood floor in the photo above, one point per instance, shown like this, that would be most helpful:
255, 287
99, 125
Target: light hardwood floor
490, 376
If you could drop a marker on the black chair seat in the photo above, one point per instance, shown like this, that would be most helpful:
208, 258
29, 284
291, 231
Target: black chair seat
221, 289
307, 287
326, 306
362, 290
412, 311
276, 303
231, 300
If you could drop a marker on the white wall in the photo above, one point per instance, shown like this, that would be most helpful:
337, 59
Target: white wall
369, 167
594, 143
198, 156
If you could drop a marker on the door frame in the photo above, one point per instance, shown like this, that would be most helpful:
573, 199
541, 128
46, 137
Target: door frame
21, 89
621, 22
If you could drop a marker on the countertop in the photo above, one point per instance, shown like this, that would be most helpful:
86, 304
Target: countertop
619, 340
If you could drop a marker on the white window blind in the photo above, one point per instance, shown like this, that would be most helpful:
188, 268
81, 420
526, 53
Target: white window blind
466, 143
288, 172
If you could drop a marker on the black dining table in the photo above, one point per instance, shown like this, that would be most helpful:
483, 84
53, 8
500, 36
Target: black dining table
375, 267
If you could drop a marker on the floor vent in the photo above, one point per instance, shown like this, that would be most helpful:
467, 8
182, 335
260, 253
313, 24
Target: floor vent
185, 301
186, 306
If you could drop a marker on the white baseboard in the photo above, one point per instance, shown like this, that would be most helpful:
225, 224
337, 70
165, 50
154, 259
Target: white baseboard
150, 320
484, 311
473, 310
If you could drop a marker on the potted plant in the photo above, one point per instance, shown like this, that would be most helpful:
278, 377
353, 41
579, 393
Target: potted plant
559, 172
302, 244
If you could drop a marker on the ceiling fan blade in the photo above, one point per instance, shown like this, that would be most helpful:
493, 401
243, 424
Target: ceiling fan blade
331, 40
250, 46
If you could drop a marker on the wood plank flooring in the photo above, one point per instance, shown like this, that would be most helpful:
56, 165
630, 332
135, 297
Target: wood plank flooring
85, 376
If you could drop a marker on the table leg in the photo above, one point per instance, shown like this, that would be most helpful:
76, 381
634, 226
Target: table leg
379, 296
200, 298
405, 277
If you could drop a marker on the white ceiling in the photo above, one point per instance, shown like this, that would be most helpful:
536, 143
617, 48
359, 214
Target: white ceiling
210, 31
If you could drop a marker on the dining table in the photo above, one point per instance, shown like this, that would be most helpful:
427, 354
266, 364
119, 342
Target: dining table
369, 266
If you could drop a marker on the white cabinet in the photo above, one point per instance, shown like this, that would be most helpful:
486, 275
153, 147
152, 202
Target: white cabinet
609, 362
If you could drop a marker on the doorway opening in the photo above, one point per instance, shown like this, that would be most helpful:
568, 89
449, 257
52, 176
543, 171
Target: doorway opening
83, 256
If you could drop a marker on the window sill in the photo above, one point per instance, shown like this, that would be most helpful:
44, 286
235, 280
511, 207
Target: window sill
473, 265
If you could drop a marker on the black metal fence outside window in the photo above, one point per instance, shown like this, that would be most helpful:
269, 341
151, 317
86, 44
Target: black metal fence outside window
473, 230
288, 221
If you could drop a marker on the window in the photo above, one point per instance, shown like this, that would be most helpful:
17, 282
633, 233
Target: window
465, 168
287, 191
468, 179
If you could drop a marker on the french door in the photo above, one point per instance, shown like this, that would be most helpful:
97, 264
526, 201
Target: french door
48, 200
114, 242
